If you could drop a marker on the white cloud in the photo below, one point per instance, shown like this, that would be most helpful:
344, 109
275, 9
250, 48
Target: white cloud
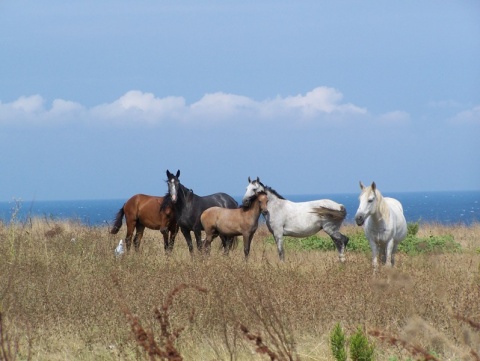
394, 117
135, 107
470, 116
29, 104
222, 106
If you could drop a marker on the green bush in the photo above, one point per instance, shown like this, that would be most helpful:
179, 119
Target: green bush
338, 343
360, 348
411, 245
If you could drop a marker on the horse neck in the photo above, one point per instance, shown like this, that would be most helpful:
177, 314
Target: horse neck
182, 195
272, 196
382, 212
254, 210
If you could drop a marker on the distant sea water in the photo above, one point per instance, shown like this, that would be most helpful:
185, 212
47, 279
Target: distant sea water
448, 208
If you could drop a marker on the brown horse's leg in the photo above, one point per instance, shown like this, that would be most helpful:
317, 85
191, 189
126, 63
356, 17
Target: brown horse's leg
165, 240
172, 231
138, 236
227, 243
130, 227
247, 240
208, 241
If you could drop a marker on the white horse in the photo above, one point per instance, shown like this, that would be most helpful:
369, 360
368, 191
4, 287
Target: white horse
286, 218
384, 223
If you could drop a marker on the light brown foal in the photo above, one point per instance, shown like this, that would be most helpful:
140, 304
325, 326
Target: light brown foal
242, 221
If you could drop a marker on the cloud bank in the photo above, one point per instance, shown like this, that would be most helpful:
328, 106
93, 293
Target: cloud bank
138, 107
322, 104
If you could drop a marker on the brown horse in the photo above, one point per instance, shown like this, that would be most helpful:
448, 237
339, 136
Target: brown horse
234, 222
153, 212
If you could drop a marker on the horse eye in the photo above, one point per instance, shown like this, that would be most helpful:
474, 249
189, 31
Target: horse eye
370, 200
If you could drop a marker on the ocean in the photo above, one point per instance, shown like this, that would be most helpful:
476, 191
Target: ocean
448, 208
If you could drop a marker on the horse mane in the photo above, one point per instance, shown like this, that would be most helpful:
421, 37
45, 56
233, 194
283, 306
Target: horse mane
271, 190
382, 206
167, 202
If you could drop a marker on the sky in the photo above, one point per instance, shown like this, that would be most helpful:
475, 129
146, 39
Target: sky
99, 98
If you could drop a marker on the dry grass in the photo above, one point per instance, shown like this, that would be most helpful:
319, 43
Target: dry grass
64, 296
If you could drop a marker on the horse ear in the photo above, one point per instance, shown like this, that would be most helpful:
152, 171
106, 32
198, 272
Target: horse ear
169, 175
361, 186
374, 186
258, 180
249, 181
178, 173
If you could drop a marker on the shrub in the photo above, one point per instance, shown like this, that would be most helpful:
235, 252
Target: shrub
338, 343
360, 348
411, 245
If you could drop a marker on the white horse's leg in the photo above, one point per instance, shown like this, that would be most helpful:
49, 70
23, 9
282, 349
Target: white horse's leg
338, 239
373, 247
394, 250
389, 250
279, 241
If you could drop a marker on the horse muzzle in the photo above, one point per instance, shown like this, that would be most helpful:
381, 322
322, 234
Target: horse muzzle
359, 220
265, 212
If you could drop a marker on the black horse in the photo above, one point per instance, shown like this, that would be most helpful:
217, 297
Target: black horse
189, 207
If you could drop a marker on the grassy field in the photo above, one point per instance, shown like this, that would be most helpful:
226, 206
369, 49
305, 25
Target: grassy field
64, 296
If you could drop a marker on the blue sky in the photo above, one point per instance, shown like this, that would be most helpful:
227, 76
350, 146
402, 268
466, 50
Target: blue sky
99, 98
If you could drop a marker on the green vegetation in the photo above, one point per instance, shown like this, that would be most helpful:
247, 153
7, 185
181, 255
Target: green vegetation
360, 348
338, 343
411, 245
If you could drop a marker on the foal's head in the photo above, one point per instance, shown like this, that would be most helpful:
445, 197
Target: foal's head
173, 185
369, 197
254, 187
263, 201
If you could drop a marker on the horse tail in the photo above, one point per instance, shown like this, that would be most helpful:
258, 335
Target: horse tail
334, 214
118, 221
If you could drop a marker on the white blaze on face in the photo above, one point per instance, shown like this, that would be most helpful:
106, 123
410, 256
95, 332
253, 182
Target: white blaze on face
173, 190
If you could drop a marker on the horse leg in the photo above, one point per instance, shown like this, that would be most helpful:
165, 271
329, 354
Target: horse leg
247, 240
138, 236
188, 238
165, 240
394, 250
389, 253
279, 241
128, 237
198, 238
227, 243
208, 241
173, 233
373, 247
338, 239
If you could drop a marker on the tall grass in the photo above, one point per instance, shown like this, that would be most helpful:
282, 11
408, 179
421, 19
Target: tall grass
63, 295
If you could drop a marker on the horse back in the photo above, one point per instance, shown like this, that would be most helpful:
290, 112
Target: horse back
221, 200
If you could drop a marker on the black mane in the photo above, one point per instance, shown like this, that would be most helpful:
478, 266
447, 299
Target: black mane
167, 202
271, 190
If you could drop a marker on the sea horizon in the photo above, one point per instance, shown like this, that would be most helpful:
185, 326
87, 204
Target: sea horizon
444, 207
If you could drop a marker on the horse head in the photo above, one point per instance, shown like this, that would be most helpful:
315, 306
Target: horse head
173, 185
254, 187
368, 203
263, 202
